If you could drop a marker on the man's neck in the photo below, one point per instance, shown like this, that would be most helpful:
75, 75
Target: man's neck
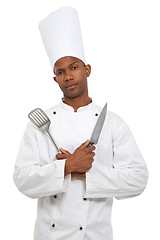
77, 102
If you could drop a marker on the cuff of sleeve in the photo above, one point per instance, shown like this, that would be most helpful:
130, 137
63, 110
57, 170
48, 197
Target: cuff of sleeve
64, 181
89, 184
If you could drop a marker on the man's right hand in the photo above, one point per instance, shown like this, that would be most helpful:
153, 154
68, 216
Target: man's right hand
81, 160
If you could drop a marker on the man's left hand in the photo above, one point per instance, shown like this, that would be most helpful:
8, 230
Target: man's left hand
64, 155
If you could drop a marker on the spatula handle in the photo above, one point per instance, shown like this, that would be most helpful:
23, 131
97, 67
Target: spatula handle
58, 150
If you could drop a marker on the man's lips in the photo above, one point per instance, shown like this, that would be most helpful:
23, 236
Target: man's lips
71, 86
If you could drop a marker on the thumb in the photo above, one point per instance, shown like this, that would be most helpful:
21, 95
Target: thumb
84, 145
64, 151
60, 156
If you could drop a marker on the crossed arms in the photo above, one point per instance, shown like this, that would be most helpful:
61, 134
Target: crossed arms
79, 162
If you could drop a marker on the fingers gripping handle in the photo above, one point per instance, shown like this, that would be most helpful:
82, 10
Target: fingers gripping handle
90, 144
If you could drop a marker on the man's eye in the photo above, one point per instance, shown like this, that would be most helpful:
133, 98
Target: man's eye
59, 73
74, 68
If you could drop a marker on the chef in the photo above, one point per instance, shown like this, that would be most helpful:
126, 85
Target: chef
75, 187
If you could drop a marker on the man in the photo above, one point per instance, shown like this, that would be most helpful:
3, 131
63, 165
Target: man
75, 188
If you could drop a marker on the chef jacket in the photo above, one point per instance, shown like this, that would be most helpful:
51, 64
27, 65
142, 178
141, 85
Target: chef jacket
78, 209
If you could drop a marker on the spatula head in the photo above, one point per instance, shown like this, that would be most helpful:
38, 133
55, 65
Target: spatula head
39, 118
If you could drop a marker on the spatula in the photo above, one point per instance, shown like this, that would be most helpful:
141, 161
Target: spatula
42, 121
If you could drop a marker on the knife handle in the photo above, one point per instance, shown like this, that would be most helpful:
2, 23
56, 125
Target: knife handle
90, 144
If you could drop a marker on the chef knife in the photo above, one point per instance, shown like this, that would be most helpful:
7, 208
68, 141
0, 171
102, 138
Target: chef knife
98, 127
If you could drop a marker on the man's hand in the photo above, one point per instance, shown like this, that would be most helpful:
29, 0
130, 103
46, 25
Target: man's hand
79, 162
63, 155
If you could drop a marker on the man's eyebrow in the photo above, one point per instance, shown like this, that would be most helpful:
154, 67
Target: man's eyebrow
81, 62
61, 69
72, 63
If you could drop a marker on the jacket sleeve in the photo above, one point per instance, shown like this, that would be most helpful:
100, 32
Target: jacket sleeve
128, 175
33, 178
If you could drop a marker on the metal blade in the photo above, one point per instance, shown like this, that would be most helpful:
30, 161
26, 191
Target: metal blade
98, 127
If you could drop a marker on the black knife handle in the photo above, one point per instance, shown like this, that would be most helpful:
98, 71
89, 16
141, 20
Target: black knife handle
90, 144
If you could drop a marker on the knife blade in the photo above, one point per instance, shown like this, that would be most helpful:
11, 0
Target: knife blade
98, 127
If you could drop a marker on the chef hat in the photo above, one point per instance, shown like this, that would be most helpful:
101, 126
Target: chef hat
61, 35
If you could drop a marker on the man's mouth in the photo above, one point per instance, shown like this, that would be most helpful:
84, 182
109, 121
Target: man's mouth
71, 86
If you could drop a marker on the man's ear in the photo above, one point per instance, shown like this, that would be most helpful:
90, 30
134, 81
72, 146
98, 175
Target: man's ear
88, 70
55, 79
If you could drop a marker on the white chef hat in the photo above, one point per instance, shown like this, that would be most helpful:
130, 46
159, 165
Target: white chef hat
61, 35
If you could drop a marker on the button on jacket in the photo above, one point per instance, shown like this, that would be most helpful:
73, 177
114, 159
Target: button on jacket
77, 209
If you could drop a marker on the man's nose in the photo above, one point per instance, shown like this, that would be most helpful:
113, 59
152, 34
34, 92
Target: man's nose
68, 76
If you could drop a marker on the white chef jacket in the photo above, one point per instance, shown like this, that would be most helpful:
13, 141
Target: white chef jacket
77, 209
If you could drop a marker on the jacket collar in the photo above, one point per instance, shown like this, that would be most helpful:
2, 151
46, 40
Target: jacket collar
88, 107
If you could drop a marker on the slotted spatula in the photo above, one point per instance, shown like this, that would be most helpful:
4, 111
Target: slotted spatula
42, 121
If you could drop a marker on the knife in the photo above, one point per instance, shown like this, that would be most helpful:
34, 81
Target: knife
98, 127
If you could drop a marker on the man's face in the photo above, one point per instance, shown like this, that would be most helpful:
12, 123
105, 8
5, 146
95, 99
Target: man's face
71, 76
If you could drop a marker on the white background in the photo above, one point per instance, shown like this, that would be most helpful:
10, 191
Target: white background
122, 44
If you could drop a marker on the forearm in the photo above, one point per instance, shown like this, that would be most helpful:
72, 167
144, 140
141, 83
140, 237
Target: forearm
67, 168
120, 183
41, 181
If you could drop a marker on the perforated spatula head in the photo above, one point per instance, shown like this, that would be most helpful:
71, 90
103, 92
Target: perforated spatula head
39, 118
42, 121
